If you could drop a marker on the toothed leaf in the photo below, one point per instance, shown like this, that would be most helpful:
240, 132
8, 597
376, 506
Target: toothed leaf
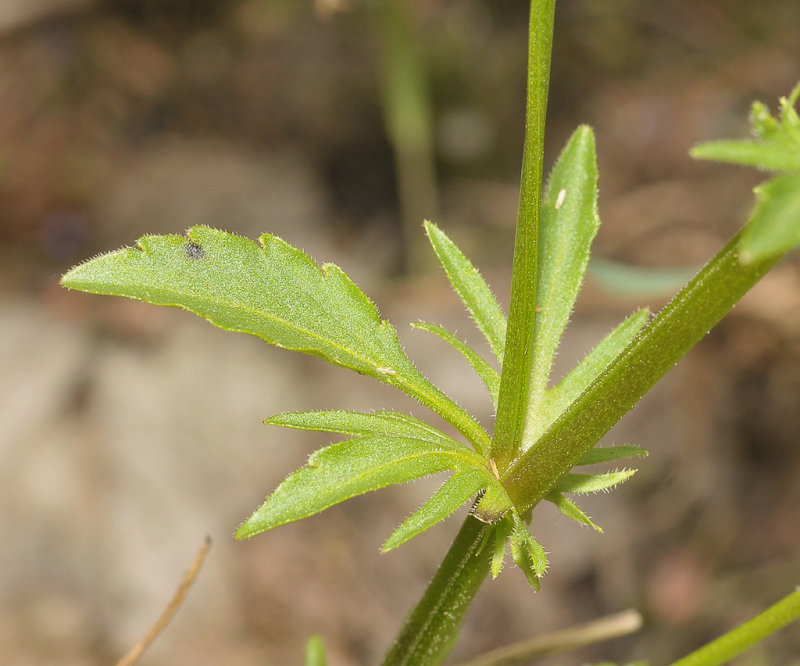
592, 483
271, 290
601, 454
571, 510
569, 222
460, 487
490, 376
469, 284
557, 399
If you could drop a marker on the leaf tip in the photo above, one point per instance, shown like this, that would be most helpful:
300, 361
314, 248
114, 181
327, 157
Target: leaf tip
388, 546
244, 531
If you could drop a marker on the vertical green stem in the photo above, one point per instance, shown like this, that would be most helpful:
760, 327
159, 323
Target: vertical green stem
431, 629
515, 381
735, 642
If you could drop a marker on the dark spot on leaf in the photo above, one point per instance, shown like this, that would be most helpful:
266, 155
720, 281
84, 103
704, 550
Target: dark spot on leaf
194, 251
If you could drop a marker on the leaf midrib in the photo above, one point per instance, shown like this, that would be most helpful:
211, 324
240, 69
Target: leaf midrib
238, 306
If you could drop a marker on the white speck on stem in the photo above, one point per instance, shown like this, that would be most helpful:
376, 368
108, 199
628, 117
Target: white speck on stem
386, 371
560, 199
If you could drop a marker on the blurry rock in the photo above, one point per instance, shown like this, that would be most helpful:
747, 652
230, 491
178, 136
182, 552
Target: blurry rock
15, 13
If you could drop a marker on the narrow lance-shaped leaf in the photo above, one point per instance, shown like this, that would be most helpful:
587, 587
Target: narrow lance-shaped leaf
568, 226
271, 290
387, 448
527, 552
571, 510
774, 156
592, 483
774, 225
557, 399
459, 488
343, 422
490, 376
502, 529
582, 483
469, 284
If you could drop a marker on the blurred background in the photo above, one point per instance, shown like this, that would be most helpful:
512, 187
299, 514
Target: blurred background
128, 433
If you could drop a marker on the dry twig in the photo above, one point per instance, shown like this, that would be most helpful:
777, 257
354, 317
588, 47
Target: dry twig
135, 653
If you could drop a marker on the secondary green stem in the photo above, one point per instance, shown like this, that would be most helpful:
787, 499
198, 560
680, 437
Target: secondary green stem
660, 345
515, 381
735, 642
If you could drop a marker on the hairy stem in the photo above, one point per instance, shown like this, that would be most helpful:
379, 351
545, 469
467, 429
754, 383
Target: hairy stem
432, 627
515, 380
660, 345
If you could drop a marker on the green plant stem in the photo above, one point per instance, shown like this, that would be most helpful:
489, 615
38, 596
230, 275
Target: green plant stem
738, 640
432, 627
426, 635
660, 345
515, 381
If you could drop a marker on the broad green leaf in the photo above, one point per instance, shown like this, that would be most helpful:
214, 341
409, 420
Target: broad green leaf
571, 510
469, 284
557, 399
315, 652
271, 290
527, 552
601, 454
774, 225
568, 225
772, 156
459, 488
389, 448
592, 483
490, 376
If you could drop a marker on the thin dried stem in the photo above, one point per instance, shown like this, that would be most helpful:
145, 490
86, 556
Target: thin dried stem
611, 626
135, 653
